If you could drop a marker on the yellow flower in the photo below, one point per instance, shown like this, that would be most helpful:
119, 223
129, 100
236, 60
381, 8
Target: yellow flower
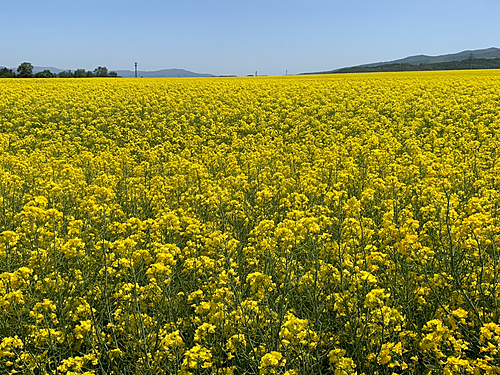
271, 360
197, 357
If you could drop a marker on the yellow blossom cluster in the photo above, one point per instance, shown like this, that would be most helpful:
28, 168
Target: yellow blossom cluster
344, 224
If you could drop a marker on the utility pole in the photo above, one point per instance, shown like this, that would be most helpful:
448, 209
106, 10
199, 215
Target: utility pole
136, 70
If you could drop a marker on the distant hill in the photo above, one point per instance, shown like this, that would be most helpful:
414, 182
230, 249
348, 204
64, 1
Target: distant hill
482, 59
405, 67
37, 69
488, 53
164, 73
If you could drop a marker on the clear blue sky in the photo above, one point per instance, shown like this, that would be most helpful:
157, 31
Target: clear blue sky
240, 37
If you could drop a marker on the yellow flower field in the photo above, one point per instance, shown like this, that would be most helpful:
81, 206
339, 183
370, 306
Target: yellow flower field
285, 225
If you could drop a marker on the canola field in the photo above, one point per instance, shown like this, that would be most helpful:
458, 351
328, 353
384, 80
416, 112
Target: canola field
340, 225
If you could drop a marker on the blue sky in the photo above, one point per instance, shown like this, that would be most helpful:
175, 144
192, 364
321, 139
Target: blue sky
240, 37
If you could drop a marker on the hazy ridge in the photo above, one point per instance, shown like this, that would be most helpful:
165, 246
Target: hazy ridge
478, 54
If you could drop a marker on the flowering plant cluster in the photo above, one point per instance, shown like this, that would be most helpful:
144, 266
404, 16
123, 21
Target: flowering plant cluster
293, 225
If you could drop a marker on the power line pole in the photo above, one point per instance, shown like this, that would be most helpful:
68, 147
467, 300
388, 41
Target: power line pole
136, 70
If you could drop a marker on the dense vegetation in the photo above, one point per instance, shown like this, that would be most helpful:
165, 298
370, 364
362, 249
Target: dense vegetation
25, 70
335, 224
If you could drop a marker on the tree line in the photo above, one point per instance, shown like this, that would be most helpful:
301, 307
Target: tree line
25, 70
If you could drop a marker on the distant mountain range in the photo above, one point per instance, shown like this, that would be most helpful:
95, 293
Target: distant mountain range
430, 62
488, 58
488, 53
163, 73
37, 69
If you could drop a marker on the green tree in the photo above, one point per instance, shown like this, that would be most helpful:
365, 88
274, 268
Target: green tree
7, 73
25, 70
45, 74
113, 74
80, 73
89, 74
65, 74
101, 71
